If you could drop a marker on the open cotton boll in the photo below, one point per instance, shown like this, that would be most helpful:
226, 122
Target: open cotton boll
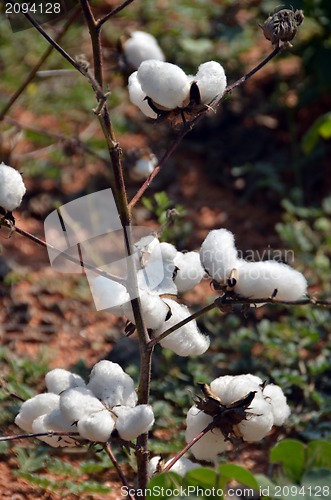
112, 385
164, 82
143, 167
132, 422
258, 280
211, 81
39, 425
187, 340
277, 400
59, 380
153, 310
190, 271
182, 466
34, 407
77, 403
218, 254
259, 421
140, 47
232, 388
12, 188
211, 444
137, 96
108, 294
97, 426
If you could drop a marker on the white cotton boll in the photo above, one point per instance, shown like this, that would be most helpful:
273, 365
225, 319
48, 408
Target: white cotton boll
140, 47
277, 400
59, 380
12, 188
259, 421
211, 81
153, 310
182, 466
187, 340
218, 254
153, 465
77, 403
164, 82
211, 444
97, 426
258, 280
112, 385
34, 407
190, 271
108, 294
137, 96
132, 422
143, 167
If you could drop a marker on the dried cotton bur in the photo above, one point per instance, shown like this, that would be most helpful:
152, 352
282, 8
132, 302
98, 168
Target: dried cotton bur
237, 407
281, 27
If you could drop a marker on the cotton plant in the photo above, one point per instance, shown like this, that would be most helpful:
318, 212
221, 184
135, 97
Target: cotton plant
231, 408
241, 406
92, 411
159, 87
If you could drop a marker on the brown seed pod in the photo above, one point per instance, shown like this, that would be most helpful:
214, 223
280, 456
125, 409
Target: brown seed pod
280, 28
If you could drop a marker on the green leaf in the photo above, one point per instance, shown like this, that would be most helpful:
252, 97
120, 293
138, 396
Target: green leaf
202, 477
291, 454
319, 454
238, 473
161, 483
320, 128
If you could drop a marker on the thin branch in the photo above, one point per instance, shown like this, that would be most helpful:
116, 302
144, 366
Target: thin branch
158, 167
225, 302
41, 61
242, 80
118, 469
193, 316
209, 427
51, 41
86, 265
38, 434
112, 13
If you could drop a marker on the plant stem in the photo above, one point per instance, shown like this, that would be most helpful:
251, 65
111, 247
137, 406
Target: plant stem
125, 217
118, 469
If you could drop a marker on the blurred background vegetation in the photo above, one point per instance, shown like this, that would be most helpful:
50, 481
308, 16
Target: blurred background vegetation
260, 167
